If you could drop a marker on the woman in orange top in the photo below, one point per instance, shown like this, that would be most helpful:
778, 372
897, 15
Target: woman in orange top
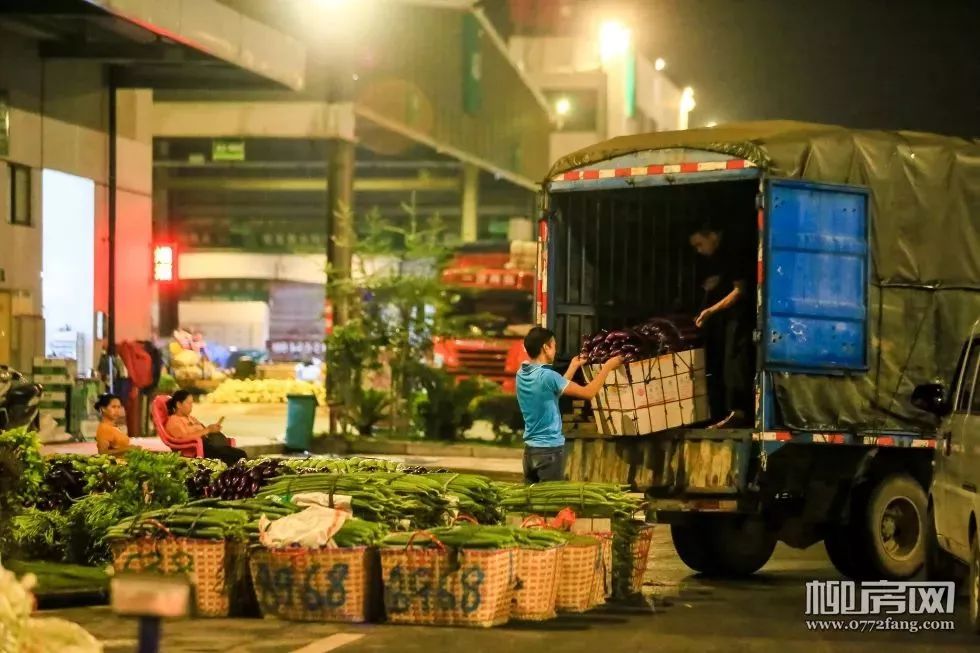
108, 438
183, 427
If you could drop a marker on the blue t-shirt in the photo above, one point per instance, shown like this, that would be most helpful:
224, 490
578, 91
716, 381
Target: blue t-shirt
538, 389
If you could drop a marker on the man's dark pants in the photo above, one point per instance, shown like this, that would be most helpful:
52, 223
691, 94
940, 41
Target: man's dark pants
544, 464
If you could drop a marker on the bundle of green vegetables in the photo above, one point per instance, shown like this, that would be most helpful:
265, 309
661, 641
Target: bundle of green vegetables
198, 522
340, 465
585, 499
478, 536
476, 496
379, 497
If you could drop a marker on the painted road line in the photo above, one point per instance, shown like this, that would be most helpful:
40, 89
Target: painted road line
329, 643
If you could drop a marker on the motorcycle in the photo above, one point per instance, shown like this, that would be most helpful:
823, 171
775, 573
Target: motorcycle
20, 400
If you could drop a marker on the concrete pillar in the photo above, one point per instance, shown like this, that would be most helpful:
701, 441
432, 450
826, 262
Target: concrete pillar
340, 227
168, 294
470, 202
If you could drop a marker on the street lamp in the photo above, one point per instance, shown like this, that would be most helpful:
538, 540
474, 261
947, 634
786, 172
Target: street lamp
614, 40
563, 106
659, 64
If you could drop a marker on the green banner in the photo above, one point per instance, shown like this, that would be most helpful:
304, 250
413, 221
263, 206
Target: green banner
4, 124
472, 64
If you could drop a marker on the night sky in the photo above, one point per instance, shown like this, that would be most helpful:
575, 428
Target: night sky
861, 63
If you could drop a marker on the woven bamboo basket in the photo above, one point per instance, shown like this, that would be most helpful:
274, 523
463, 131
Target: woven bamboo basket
641, 555
328, 584
536, 590
438, 587
603, 569
211, 567
577, 577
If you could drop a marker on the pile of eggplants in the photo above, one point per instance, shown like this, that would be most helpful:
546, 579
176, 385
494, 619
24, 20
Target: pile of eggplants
655, 337
243, 480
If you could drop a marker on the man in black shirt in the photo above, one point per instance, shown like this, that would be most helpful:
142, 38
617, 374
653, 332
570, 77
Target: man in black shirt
727, 318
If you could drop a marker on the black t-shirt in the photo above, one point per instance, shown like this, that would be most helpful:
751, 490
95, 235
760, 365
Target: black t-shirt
735, 260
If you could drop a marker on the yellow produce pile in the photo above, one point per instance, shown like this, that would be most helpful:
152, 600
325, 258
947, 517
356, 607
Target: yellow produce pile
264, 391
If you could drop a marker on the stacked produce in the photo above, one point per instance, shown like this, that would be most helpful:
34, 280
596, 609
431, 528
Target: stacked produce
393, 499
588, 500
244, 479
203, 472
352, 464
655, 337
476, 495
264, 391
480, 536
68, 477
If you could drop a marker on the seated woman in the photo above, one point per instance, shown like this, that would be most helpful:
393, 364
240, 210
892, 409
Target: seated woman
182, 427
108, 438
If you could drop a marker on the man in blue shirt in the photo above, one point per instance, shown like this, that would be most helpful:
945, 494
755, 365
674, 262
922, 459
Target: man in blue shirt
538, 390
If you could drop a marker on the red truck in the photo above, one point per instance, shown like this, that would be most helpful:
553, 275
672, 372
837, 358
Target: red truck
492, 303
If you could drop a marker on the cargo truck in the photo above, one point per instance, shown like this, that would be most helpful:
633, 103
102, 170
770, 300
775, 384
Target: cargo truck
868, 267
491, 296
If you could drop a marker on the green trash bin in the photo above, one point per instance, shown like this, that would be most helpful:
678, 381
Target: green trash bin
300, 413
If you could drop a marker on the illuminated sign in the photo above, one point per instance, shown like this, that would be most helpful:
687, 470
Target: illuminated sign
163, 263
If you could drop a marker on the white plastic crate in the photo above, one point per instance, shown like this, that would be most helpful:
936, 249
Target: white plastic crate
652, 395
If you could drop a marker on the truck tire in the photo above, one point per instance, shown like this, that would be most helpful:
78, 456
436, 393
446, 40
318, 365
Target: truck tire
847, 558
895, 530
974, 580
692, 542
742, 545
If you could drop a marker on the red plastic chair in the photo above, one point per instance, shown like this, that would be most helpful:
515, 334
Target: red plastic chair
186, 448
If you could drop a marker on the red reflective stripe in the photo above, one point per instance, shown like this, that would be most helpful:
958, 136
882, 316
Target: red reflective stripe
571, 176
885, 441
783, 436
836, 438
624, 172
735, 164
689, 167
655, 170
590, 174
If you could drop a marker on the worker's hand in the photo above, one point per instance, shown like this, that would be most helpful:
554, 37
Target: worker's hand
576, 363
613, 363
214, 428
703, 317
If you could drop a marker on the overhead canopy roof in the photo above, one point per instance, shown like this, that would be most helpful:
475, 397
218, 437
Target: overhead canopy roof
173, 44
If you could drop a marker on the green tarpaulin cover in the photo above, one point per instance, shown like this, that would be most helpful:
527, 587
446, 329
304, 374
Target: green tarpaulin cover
925, 233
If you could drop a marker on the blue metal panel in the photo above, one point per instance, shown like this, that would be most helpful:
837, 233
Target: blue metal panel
816, 277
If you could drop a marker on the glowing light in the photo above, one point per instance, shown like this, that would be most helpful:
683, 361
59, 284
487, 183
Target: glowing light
659, 64
687, 99
563, 106
163, 263
614, 40
711, 123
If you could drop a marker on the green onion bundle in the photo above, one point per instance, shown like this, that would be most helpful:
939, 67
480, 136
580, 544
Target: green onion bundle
199, 522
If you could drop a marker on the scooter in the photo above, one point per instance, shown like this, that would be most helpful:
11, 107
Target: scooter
20, 400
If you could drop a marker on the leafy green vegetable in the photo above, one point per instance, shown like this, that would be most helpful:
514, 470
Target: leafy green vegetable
40, 535
27, 447
89, 520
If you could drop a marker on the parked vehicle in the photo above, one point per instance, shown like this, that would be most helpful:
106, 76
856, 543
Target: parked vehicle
954, 495
862, 288
20, 400
493, 286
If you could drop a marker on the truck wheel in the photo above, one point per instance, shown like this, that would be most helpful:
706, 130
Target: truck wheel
895, 527
846, 557
975, 585
742, 545
692, 541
